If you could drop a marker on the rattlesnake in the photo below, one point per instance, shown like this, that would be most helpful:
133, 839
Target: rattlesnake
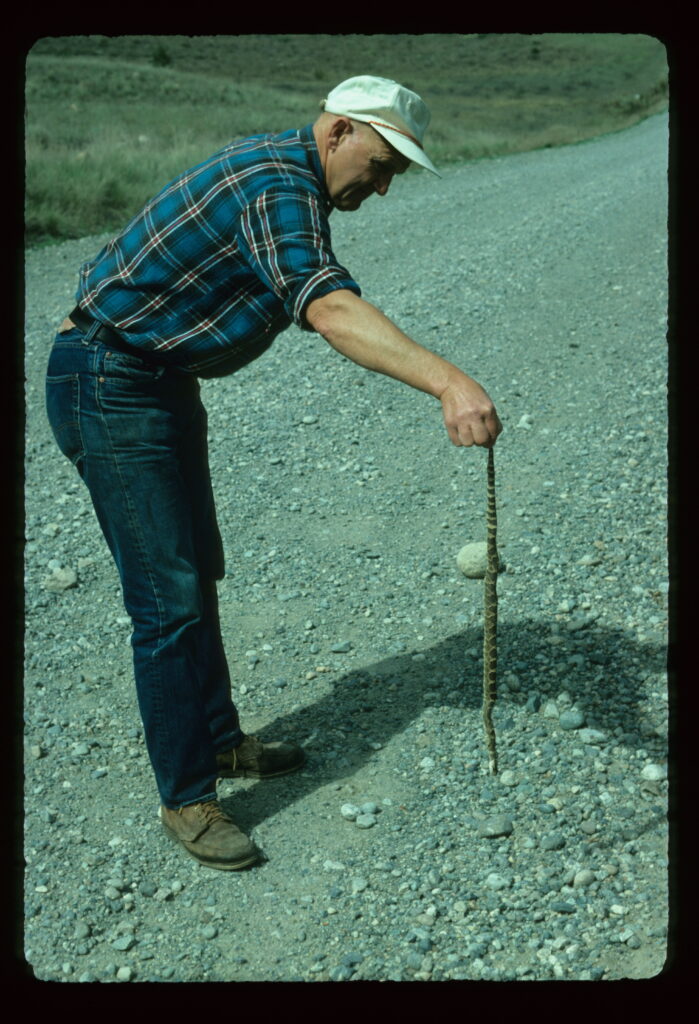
490, 626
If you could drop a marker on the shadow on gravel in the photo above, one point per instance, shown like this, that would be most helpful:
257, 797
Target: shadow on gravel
365, 710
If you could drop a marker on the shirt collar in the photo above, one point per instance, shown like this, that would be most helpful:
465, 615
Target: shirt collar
308, 139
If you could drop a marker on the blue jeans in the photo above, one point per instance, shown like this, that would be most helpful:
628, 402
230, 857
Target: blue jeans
137, 435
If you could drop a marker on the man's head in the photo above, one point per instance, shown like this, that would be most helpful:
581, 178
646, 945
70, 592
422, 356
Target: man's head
371, 129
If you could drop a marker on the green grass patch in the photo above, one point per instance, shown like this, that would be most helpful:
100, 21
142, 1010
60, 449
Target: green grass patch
110, 120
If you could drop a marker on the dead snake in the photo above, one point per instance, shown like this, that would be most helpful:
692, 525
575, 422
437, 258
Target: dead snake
490, 628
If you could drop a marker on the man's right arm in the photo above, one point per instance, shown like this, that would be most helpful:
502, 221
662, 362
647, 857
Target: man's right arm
362, 333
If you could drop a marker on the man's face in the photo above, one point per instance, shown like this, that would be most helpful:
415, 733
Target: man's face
360, 162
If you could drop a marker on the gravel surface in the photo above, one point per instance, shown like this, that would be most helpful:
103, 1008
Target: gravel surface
394, 855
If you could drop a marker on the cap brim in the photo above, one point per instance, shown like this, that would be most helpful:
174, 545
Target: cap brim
403, 144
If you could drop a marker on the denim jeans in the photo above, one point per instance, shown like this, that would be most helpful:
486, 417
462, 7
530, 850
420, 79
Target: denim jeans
137, 435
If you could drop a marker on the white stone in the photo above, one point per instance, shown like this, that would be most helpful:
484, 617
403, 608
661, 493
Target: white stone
60, 580
654, 772
550, 709
472, 560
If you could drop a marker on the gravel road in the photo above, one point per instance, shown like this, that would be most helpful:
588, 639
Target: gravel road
394, 855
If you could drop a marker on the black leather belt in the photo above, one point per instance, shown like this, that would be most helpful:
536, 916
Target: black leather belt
106, 335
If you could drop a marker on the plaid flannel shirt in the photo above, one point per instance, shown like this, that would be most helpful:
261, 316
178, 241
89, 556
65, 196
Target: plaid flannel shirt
223, 258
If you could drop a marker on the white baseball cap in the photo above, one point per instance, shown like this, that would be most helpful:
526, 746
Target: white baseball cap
396, 113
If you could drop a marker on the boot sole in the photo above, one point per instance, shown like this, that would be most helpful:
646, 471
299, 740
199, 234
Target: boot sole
237, 865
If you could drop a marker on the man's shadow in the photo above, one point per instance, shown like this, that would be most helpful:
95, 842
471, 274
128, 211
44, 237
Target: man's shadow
382, 699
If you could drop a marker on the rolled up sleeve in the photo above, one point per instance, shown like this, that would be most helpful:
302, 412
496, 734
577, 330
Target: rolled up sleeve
285, 239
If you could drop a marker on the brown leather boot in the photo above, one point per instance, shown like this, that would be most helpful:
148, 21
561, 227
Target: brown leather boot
210, 836
258, 760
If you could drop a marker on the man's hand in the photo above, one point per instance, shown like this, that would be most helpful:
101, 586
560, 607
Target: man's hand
469, 414
365, 335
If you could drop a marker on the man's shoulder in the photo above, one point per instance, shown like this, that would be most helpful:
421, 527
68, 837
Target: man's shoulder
283, 162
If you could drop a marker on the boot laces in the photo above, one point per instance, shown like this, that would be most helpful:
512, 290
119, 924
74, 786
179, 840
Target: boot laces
211, 812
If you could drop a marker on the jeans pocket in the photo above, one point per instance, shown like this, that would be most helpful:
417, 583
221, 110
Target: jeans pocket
62, 407
118, 367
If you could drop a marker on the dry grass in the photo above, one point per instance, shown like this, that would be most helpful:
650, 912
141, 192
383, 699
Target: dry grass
110, 120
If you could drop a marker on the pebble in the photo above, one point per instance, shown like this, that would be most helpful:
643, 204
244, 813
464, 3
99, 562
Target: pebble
472, 560
61, 579
654, 772
592, 736
369, 807
573, 718
562, 907
359, 885
495, 826
349, 812
583, 878
365, 820
553, 841
124, 974
496, 880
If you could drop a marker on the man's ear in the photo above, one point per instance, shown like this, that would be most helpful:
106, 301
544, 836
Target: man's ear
340, 127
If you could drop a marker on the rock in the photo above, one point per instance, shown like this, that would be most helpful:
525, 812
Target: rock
495, 880
341, 648
654, 772
428, 917
571, 719
340, 973
553, 841
550, 709
124, 942
124, 974
590, 560
472, 560
349, 812
592, 736
352, 959
365, 820
498, 824
583, 877
60, 580
369, 808
508, 778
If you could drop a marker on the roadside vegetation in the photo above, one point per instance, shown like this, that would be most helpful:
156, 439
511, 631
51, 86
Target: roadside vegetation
110, 120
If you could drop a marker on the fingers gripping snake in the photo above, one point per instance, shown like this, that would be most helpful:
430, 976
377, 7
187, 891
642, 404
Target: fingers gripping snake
490, 628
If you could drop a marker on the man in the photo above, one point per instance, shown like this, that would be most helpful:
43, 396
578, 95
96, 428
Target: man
198, 284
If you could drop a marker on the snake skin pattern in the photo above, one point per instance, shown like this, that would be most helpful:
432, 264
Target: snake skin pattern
490, 645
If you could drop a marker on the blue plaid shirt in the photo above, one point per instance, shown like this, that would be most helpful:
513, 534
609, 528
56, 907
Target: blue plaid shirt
223, 258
